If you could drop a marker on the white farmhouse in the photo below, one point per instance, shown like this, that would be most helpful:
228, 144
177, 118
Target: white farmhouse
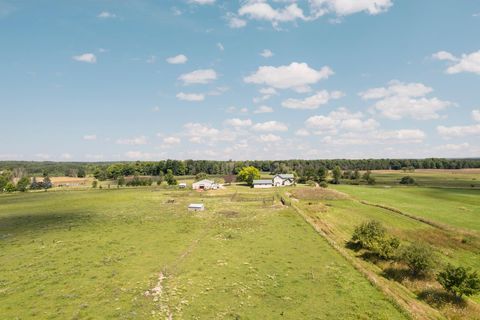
282, 180
204, 185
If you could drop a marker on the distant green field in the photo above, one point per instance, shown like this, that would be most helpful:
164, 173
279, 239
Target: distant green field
99, 254
431, 178
456, 207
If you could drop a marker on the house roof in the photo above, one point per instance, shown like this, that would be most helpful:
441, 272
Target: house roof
262, 181
285, 176
205, 181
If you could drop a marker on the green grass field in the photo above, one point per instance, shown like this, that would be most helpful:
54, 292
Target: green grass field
138, 253
444, 218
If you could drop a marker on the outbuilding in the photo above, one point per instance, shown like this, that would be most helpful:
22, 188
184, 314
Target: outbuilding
204, 184
262, 183
182, 185
196, 207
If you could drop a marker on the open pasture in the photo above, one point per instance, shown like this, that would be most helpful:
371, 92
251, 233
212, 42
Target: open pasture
138, 253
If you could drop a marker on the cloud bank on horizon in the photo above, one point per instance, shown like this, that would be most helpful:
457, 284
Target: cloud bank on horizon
255, 79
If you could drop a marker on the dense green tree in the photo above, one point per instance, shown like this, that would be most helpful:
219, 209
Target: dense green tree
169, 177
3, 182
248, 174
459, 281
47, 183
9, 187
23, 183
322, 174
200, 176
81, 173
337, 174
418, 257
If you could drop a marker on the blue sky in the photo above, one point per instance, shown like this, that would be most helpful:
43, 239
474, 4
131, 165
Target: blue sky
206, 79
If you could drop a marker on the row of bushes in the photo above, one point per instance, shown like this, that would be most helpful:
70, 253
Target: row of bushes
24, 184
419, 258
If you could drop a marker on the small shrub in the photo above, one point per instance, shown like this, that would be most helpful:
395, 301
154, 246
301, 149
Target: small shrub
310, 183
323, 184
23, 184
387, 248
459, 281
407, 180
94, 184
368, 235
372, 236
418, 257
9, 187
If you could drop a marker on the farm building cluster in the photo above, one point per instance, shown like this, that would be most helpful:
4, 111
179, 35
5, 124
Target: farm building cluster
279, 180
205, 184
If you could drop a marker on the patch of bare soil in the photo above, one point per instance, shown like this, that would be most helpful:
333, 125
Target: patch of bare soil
229, 213
318, 194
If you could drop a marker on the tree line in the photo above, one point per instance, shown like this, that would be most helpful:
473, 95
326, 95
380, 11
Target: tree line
113, 170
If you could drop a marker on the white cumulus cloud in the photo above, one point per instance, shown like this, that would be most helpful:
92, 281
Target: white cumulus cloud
296, 76
266, 53
236, 122
459, 131
90, 137
106, 15
263, 109
190, 96
178, 59
141, 140
270, 126
399, 100
201, 76
312, 102
465, 63
86, 57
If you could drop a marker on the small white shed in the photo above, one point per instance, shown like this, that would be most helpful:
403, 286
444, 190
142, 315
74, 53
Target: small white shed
182, 185
196, 207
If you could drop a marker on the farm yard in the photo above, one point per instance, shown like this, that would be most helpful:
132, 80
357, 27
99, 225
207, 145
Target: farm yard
137, 252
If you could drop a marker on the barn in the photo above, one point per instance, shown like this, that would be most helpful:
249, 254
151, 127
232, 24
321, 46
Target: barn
204, 184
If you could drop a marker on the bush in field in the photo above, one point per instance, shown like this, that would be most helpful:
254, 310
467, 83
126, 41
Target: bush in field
459, 281
121, 181
23, 184
337, 174
137, 181
3, 182
387, 248
310, 183
9, 187
229, 178
46, 183
368, 234
200, 176
323, 184
407, 180
372, 236
418, 257
170, 178
94, 184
